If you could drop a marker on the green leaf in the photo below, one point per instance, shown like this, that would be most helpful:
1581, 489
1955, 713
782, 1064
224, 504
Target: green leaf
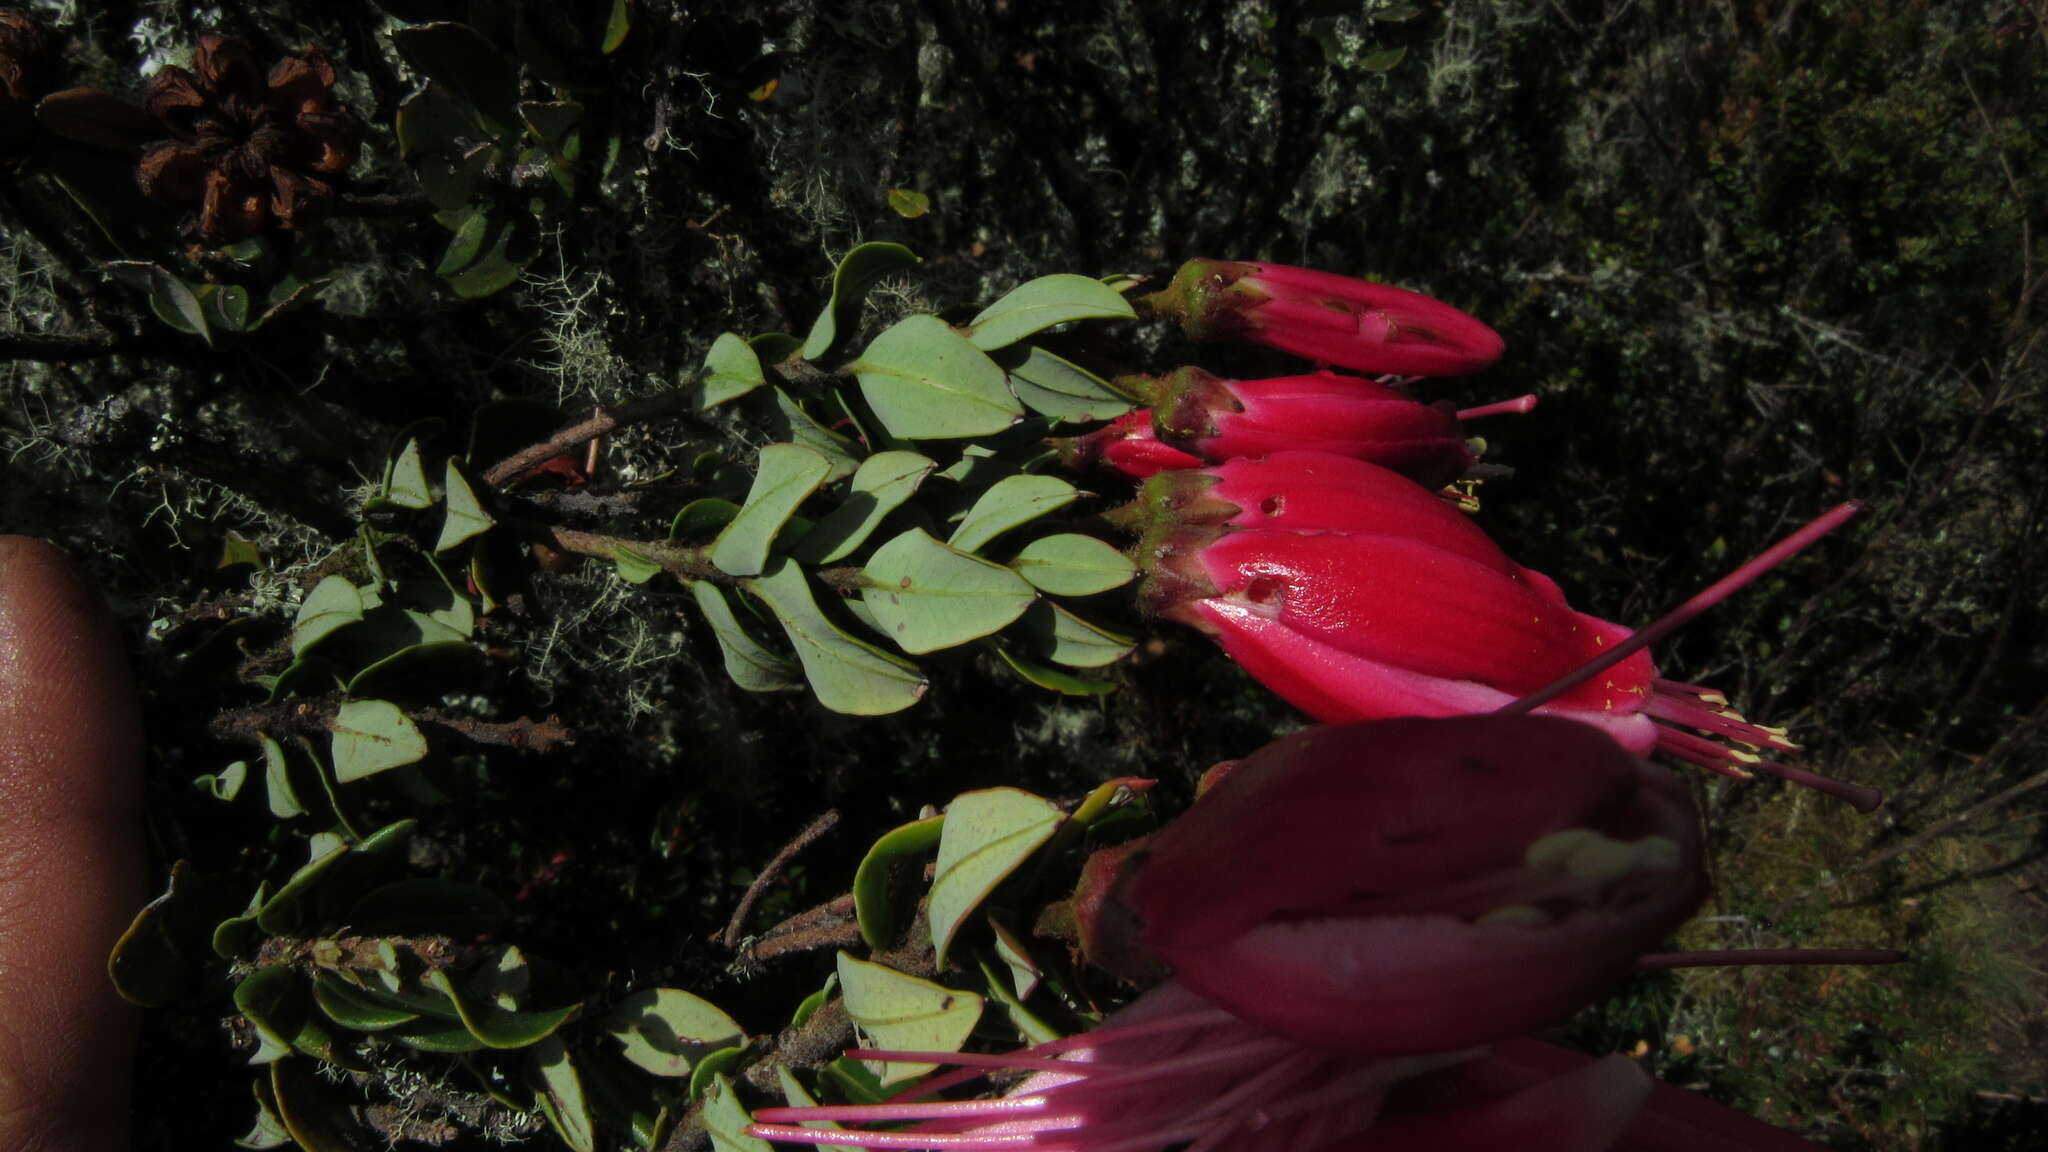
467, 245
632, 567
880, 485
268, 1130
1065, 638
858, 272
509, 246
845, 674
809, 1005
702, 517
407, 484
466, 516
666, 1031
1398, 14
751, 664
731, 370
470, 65
177, 305
333, 603
1065, 683
227, 307
1024, 971
987, 835
715, 1063
496, 1026
726, 1121
794, 1095
351, 1007
316, 1114
227, 783
798, 426
561, 1095
617, 27
274, 1000
1051, 386
432, 120
899, 1011
1383, 60
1044, 302
909, 203
927, 596
875, 882
1073, 565
278, 787
784, 478
1009, 502
372, 736
925, 381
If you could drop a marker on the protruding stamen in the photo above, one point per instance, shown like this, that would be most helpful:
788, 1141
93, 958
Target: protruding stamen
1718, 722
1520, 405
1685, 613
1861, 797
1743, 956
908, 1141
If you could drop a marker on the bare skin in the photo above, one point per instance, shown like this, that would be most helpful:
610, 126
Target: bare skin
70, 867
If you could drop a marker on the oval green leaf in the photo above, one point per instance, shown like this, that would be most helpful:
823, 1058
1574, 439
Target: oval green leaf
496, 1026
372, 736
926, 596
731, 370
845, 674
1073, 565
1053, 679
797, 426
895, 1010
751, 664
1009, 502
858, 272
407, 484
909, 203
785, 477
351, 1007
334, 603
666, 1031
1064, 638
1044, 302
880, 485
925, 381
987, 835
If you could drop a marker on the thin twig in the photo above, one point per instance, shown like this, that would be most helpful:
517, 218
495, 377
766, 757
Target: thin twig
675, 402
804, 839
314, 716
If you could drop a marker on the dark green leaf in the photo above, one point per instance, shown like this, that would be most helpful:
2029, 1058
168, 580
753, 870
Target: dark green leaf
876, 892
465, 515
880, 485
909, 203
751, 664
1383, 60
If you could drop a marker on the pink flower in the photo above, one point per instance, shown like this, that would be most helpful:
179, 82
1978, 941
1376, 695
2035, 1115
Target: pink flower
1172, 1069
1358, 595
1356, 324
1220, 419
1409, 885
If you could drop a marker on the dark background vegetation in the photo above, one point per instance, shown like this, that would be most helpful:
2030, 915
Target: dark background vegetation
1756, 256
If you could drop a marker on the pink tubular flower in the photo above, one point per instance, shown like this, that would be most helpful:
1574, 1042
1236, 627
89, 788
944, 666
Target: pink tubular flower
1410, 885
1356, 324
1357, 595
1220, 419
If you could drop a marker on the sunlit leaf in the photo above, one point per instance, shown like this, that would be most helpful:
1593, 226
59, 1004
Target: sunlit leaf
988, 833
751, 664
372, 736
784, 477
465, 514
1011, 501
333, 603
1051, 386
900, 1011
731, 370
858, 271
925, 381
881, 485
561, 1095
875, 883
926, 596
1042, 303
845, 674
666, 1031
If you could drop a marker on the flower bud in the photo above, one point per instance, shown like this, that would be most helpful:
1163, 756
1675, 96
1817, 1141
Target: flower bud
1356, 324
1219, 419
1128, 445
